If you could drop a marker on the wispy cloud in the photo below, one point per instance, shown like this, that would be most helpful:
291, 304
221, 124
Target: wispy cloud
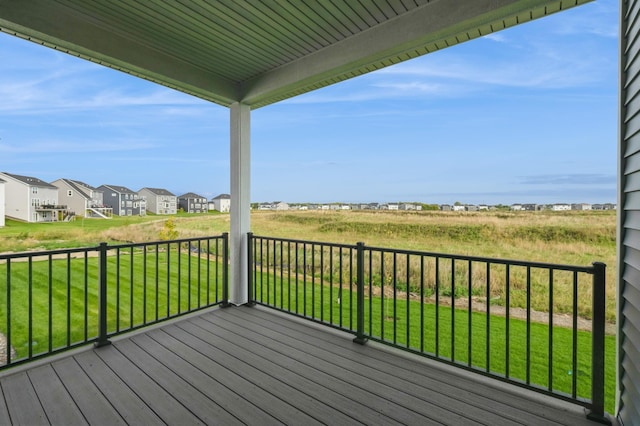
569, 179
57, 146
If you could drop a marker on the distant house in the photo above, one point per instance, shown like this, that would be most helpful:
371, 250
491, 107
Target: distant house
82, 199
483, 207
407, 206
159, 201
558, 207
581, 206
222, 203
445, 207
1, 203
471, 208
123, 201
32, 200
530, 207
517, 207
280, 205
193, 203
459, 208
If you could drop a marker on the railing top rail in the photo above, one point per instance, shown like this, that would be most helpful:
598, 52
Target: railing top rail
23, 254
161, 242
531, 264
293, 240
511, 262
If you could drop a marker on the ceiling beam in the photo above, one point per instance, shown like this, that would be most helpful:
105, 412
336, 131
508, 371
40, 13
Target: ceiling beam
439, 24
52, 24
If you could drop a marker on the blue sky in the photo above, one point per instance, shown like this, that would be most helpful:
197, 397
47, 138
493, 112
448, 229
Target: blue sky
528, 114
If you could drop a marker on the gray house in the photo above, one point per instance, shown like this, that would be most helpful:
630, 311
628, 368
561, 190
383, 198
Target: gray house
123, 201
159, 201
193, 203
82, 199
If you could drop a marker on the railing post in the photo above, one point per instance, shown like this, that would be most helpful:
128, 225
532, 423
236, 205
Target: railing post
597, 352
360, 336
225, 269
250, 266
102, 298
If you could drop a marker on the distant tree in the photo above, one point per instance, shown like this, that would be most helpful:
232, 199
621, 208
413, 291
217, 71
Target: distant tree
457, 203
430, 206
169, 231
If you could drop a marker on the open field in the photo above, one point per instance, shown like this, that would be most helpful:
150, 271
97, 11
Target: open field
576, 238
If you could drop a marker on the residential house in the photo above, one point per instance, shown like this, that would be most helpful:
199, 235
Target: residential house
581, 206
446, 207
558, 207
471, 208
517, 207
530, 207
32, 200
123, 201
459, 208
1, 203
222, 203
407, 206
159, 201
193, 203
82, 199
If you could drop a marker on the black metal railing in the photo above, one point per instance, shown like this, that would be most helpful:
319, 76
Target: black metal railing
55, 300
520, 322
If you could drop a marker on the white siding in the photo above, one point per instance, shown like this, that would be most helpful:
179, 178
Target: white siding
629, 218
2, 201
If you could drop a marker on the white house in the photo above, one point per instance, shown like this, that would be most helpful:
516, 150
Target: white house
1, 203
222, 203
561, 207
31, 200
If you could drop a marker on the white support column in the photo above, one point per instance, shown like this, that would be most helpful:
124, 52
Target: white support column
240, 202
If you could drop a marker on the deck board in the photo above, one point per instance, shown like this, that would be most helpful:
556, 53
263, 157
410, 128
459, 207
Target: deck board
255, 366
55, 400
91, 402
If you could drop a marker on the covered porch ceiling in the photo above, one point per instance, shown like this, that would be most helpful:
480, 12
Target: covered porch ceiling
259, 52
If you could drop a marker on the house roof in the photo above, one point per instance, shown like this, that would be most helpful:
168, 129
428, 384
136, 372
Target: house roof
31, 181
222, 197
190, 195
158, 191
120, 189
260, 52
78, 186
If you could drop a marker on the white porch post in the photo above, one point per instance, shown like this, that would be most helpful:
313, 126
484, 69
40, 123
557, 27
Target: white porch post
240, 202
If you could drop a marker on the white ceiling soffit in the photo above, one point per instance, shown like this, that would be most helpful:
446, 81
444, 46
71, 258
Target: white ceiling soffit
259, 51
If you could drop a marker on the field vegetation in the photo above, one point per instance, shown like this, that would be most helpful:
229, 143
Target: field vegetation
575, 237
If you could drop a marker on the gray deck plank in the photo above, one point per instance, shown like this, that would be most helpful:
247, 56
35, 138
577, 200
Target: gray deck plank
5, 419
498, 398
324, 390
327, 384
377, 383
55, 400
132, 409
240, 407
204, 408
248, 377
91, 402
22, 401
157, 399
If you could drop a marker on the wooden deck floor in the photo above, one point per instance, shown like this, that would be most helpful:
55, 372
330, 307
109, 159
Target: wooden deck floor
252, 366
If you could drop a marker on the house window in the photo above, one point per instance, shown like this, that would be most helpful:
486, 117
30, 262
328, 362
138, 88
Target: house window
69, 193
34, 189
